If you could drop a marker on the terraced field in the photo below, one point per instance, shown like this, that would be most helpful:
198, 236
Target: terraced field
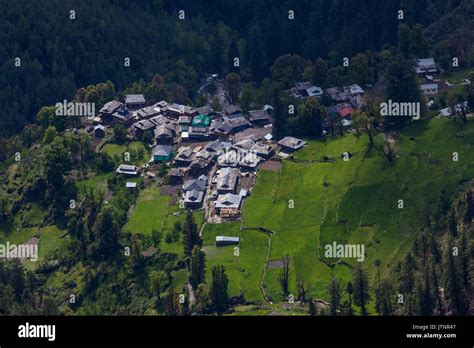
314, 201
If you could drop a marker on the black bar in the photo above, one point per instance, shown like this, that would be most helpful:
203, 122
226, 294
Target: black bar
241, 330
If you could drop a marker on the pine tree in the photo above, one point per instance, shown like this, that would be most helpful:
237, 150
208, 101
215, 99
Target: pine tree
436, 290
407, 281
219, 296
402, 88
350, 292
427, 300
197, 267
256, 53
279, 113
233, 54
469, 212
453, 286
361, 288
191, 235
334, 291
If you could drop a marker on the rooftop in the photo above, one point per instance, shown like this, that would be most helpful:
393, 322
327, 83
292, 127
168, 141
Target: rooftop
163, 150
134, 99
228, 200
291, 142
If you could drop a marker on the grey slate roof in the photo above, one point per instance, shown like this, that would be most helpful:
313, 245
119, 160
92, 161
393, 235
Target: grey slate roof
135, 99
292, 143
228, 200
198, 184
162, 150
227, 179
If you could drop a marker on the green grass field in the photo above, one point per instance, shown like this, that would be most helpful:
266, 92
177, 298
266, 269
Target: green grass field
155, 212
119, 150
311, 204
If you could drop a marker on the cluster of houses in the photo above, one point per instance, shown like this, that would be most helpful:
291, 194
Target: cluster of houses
345, 100
213, 156
426, 69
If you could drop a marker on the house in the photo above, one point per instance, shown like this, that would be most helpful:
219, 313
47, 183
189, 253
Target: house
205, 110
200, 165
306, 89
139, 128
215, 147
262, 150
231, 126
448, 112
135, 101
198, 184
189, 111
337, 95
164, 134
354, 90
109, 109
254, 146
122, 116
226, 240
198, 133
193, 199
160, 120
127, 169
162, 153
249, 162
99, 131
184, 156
201, 121
228, 201
184, 120
426, 66
227, 180
429, 88
175, 110
259, 117
291, 144
193, 192
176, 175
346, 112
148, 112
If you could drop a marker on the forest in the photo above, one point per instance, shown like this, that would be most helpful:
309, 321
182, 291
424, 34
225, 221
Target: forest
59, 55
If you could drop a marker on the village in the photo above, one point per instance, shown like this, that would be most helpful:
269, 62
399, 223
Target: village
212, 156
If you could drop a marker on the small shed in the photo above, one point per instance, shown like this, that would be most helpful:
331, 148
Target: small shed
225, 240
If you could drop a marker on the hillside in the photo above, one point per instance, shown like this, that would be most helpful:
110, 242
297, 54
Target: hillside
346, 202
91, 44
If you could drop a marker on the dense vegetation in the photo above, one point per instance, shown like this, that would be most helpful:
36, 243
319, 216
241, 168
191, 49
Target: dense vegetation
59, 54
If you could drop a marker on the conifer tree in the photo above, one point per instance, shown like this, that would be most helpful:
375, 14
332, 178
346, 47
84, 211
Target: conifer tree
191, 235
361, 288
197, 267
219, 284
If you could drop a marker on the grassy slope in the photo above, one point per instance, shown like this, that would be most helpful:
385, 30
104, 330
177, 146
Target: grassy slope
153, 211
348, 202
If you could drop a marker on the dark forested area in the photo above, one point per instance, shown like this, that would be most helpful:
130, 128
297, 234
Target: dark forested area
59, 54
